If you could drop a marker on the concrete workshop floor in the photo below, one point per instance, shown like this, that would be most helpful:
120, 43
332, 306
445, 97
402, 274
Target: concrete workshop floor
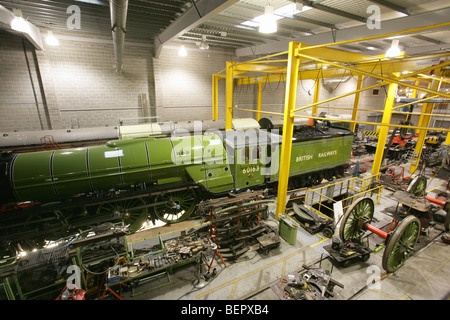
425, 276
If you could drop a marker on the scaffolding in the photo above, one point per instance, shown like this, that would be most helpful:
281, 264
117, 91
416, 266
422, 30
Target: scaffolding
309, 61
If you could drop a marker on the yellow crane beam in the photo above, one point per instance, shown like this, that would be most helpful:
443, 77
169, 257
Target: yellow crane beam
229, 97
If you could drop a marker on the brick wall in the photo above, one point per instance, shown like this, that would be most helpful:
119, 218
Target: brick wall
88, 92
82, 88
184, 84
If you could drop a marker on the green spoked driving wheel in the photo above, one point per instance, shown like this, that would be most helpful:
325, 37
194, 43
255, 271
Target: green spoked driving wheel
401, 244
418, 186
133, 216
359, 213
176, 206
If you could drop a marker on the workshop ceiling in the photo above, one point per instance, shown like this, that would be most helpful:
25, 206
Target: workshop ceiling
227, 24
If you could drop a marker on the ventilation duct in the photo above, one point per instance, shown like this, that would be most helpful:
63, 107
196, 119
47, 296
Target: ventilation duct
118, 9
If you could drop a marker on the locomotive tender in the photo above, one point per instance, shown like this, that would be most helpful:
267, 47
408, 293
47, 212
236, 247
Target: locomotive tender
50, 193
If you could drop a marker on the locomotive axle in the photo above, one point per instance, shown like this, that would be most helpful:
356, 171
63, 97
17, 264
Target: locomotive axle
376, 230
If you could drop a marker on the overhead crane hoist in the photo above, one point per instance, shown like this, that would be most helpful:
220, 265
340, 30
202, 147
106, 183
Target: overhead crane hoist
338, 62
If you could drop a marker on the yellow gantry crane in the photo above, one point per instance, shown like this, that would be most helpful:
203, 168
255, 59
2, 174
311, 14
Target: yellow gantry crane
300, 58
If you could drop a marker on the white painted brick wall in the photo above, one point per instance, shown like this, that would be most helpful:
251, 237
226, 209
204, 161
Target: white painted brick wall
79, 75
184, 84
83, 77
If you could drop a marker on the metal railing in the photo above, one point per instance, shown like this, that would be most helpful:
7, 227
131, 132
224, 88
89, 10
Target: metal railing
323, 198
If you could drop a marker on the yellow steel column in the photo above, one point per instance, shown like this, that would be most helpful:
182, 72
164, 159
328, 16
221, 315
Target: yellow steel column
356, 103
215, 97
388, 106
288, 127
424, 121
229, 97
258, 107
447, 140
316, 96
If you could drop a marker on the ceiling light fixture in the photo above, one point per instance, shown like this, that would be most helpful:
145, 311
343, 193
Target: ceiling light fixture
268, 22
51, 40
182, 51
19, 23
394, 50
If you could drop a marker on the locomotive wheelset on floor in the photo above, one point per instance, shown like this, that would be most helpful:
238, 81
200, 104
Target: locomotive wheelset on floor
50, 194
400, 240
399, 243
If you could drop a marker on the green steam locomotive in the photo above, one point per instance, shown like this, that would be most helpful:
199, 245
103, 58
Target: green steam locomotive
52, 193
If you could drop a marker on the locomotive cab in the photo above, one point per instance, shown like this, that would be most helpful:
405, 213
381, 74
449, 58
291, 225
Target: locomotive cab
253, 155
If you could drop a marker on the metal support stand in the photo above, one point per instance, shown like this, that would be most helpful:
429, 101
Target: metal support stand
216, 253
107, 288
